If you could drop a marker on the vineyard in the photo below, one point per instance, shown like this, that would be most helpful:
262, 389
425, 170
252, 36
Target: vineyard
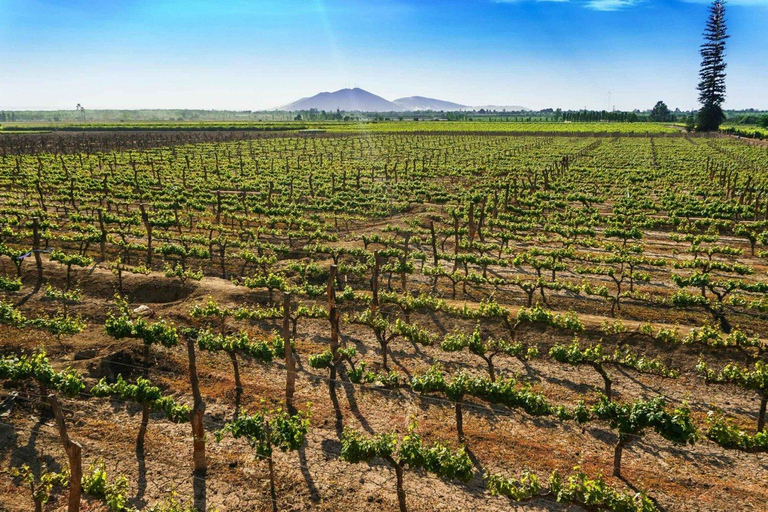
354, 127
442, 319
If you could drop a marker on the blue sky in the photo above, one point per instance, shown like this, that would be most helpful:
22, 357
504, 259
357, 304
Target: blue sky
239, 54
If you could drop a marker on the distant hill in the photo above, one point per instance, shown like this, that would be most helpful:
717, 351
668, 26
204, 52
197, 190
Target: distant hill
414, 103
349, 100
352, 100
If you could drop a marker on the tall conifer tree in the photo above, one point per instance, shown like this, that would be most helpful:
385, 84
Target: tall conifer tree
712, 73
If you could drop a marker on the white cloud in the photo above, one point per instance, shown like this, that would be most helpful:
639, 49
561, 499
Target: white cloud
609, 5
615, 5
601, 5
748, 3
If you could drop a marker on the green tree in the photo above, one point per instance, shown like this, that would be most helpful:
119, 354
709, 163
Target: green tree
690, 123
712, 73
660, 112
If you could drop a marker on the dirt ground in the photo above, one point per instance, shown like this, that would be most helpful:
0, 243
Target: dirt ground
699, 477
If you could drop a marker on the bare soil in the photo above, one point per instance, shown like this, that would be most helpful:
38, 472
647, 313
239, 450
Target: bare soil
699, 477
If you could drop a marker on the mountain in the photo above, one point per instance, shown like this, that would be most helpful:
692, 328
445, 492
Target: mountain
349, 100
414, 103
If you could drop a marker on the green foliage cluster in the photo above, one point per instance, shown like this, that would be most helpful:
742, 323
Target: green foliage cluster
123, 326
537, 314
113, 492
728, 435
632, 419
575, 354
240, 343
407, 451
37, 367
579, 489
507, 392
286, 432
144, 393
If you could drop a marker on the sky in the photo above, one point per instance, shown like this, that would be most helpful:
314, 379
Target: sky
260, 54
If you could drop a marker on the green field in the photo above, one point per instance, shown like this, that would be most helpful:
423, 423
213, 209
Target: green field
746, 130
351, 126
510, 127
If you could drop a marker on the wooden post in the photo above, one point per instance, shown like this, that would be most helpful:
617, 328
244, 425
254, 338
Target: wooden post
404, 261
606, 379
198, 410
471, 221
375, 283
36, 248
74, 454
435, 259
400, 489
333, 316
218, 204
103, 238
455, 240
617, 453
482, 220
290, 362
459, 421
238, 382
142, 429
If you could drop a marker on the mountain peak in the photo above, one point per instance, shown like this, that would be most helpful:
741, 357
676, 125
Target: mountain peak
349, 100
